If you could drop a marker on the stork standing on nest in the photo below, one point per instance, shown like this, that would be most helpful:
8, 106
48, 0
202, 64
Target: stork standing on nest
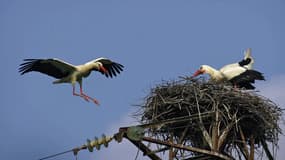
68, 73
240, 74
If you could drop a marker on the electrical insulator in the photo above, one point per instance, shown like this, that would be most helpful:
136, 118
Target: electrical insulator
97, 142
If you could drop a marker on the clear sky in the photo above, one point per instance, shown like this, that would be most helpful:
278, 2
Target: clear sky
154, 40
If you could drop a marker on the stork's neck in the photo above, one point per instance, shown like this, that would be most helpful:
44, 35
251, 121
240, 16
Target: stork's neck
214, 74
90, 65
86, 68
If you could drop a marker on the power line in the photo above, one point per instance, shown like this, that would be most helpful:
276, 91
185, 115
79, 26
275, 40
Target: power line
97, 142
58, 154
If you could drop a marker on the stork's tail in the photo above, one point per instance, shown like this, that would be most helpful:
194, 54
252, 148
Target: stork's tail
248, 60
60, 81
247, 53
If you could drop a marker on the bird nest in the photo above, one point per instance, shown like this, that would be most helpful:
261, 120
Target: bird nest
213, 117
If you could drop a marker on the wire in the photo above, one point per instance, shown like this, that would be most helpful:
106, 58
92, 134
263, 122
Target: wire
137, 155
61, 153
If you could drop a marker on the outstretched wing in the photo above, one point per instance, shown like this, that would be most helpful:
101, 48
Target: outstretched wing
113, 68
52, 67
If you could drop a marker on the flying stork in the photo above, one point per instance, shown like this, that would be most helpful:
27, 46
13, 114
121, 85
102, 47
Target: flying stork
240, 74
67, 73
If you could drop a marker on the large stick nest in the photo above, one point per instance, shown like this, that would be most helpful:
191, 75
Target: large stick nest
193, 111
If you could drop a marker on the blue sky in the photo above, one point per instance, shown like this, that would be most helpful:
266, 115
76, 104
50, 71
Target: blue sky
154, 40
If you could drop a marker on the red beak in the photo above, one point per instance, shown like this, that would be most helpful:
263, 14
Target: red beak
103, 69
198, 72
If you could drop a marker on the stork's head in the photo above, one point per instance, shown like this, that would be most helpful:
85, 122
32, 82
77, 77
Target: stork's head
102, 68
212, 72
201, 70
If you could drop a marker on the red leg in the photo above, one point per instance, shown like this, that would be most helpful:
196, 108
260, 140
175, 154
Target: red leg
236, 87
80, 95
88, 97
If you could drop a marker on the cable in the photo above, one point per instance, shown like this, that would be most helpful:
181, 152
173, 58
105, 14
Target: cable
51, 156
137, 155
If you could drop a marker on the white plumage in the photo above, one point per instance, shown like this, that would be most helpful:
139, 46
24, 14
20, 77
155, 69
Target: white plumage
240, 74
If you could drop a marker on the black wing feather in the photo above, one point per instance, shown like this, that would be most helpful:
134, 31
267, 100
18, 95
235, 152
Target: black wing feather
244, 62
113, 68
246, 85
245, 79
118, 67
46, 66
112, 71
117, 70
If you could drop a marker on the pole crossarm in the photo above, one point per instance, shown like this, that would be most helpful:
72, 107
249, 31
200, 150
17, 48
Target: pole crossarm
123, 133
188, 148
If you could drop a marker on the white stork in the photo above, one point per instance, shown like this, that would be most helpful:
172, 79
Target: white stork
239, 74
68, 73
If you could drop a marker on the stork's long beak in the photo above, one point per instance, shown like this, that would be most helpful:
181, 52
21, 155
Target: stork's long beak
103, 69
198, 72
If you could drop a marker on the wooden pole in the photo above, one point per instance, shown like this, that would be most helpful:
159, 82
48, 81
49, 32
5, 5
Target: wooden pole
215, 129
171, 151
244, 148
251, 154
